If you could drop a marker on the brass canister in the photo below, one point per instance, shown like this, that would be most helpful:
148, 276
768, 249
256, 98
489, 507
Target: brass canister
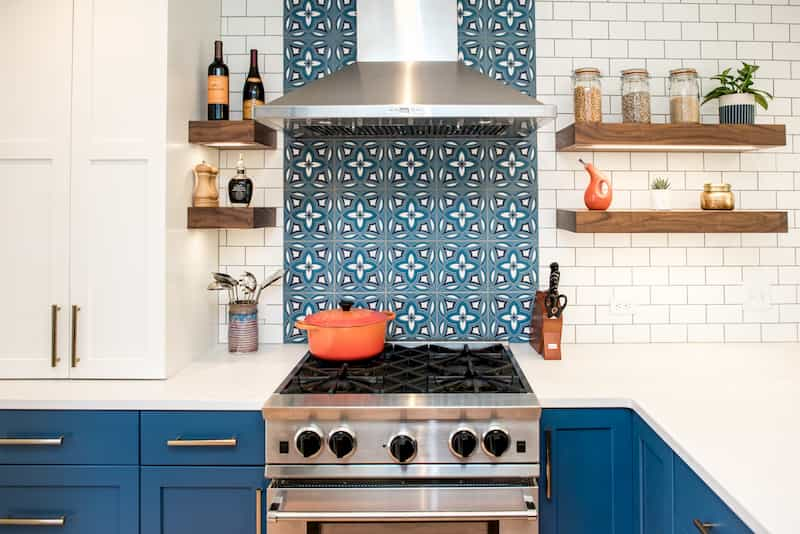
717, 197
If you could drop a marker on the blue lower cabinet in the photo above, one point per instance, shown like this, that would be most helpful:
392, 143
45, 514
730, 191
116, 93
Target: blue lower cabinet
585, 487
69, 500
653, 485
696, 503
203, 500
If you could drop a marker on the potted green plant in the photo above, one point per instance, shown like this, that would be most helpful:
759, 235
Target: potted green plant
737, 96
660, 198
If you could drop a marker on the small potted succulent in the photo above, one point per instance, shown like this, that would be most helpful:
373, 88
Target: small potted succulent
660, 194
737, 96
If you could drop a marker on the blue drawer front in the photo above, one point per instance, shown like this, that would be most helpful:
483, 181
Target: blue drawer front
86, 437
203, 500
90, 499
159, 428
695, 500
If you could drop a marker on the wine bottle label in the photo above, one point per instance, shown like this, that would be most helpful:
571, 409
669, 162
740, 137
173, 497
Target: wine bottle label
218, 90
247, 108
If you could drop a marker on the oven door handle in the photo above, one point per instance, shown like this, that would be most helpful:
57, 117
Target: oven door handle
529, 512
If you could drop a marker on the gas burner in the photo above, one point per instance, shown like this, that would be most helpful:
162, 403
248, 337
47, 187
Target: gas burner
413, 369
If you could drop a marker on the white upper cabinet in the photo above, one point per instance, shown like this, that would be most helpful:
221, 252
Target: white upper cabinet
34, 177
84, 155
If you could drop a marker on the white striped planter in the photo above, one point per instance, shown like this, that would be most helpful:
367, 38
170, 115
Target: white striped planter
739, 108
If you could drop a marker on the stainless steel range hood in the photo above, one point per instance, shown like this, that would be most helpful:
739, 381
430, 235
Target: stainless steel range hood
407, 82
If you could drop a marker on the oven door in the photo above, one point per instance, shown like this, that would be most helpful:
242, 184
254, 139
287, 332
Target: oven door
300, 506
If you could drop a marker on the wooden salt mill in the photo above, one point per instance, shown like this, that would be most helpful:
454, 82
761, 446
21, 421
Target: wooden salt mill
205, 193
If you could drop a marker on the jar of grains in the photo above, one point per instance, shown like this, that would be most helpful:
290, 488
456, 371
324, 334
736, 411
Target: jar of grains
636, 96
588, 95
684, 96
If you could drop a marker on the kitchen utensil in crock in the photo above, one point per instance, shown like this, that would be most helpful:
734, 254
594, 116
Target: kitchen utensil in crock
346, 334
228, 279
271, 279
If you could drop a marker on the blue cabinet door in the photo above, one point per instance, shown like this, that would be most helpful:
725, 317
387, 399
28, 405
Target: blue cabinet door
694, 501
74, 500
653, 486
589, 455
203, 500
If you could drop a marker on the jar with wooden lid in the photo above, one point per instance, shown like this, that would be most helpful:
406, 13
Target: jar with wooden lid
636, 96
684, 96
717, 197
588, 95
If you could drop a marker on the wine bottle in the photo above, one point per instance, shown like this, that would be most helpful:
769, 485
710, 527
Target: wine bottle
253, 94
218, 83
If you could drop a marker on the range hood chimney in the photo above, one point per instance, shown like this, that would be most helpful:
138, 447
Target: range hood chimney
408, 82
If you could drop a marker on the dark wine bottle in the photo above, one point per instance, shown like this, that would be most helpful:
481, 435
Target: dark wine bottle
253, 94
218, 84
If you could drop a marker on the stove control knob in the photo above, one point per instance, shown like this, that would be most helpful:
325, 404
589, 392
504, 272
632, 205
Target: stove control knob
496, 441
463, 442
403, 448
342, 443
308, 441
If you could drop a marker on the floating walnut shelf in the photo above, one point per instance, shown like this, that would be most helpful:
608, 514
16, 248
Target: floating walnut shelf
220, 218
673, 221
232, 134
669, 137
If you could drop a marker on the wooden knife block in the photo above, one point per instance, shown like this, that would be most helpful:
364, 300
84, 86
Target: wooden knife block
545, 332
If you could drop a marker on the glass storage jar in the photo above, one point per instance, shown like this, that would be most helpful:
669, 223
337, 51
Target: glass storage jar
636, 96
684, 96
588, 95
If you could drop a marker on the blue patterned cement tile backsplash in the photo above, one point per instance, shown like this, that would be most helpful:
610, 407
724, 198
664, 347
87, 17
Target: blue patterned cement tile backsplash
443, 232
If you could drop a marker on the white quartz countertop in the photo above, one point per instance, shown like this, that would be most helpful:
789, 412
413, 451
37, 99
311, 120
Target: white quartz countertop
731, 412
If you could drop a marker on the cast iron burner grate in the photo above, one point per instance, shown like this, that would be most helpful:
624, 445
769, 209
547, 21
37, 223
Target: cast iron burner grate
413, 369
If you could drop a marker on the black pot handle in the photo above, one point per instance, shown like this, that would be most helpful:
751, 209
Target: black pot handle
345, 304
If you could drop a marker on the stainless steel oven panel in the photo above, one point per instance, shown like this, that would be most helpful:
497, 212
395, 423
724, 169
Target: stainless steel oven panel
432, 441
291, 509
395, 471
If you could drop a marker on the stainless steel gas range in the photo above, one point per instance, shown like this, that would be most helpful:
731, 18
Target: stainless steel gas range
440, 439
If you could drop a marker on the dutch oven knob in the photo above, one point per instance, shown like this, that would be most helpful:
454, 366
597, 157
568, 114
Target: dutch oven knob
346, 304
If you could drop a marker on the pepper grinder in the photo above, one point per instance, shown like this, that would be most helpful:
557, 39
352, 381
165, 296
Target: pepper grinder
240, 187
205, 194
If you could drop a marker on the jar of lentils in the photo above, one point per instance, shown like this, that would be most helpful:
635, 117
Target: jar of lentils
636, 96
684, 96
588, 95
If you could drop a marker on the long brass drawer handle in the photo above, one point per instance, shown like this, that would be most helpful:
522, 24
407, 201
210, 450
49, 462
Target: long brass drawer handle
703, 528
548, 464
258, 510
75, 358
54, 359
26, 522
229, 442
33, 442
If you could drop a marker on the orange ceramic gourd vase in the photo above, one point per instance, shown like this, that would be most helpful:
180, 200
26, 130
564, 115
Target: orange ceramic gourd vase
598, 195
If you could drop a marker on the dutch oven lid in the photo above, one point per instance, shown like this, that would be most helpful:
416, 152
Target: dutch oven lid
345, 316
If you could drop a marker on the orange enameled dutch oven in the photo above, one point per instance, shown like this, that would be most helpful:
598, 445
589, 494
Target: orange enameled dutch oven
346, 334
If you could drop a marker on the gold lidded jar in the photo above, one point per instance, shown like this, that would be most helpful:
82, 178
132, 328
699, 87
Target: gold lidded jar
717, 197
588, 95
636, 96
684, 96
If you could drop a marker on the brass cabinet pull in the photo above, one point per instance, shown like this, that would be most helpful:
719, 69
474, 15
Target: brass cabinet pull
229, 442
32, 442
54, 359
703, 528
258, 510
75, 358
28, 522
548, 464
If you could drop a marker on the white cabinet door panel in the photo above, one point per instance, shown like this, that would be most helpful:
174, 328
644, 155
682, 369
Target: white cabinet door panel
34, 177
117, 188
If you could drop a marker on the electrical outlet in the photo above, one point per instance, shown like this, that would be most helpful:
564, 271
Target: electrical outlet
621, 306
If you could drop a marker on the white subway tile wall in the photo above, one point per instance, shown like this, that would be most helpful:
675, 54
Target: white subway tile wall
678, 287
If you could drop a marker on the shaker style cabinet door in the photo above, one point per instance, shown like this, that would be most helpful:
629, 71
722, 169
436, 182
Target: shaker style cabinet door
585, 486
203, 500
34, 177
117, 243
654, 486
69, 499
